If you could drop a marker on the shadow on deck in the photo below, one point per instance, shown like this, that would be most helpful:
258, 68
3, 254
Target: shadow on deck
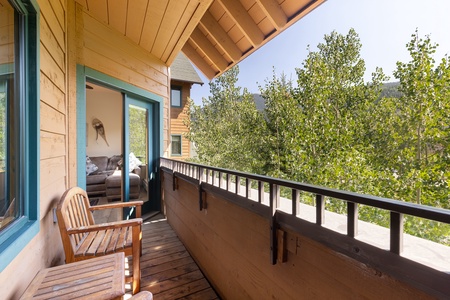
167, 269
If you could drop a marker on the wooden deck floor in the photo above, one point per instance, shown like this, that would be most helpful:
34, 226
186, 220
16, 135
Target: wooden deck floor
167, 269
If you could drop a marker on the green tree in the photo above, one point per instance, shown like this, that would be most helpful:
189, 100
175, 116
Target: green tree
282, 115
423, 136
227, 128
423, 132
138, 132
334, 99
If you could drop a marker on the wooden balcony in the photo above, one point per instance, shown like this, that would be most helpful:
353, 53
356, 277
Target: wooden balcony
222, 240
251, 243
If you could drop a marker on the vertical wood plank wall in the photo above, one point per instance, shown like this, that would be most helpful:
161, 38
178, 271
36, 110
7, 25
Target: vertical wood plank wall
232, 247
177, 116
70, 36
108, 52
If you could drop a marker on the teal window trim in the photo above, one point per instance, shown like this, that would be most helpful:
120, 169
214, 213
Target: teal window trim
176, 88
87, 74
171, 145
15, 237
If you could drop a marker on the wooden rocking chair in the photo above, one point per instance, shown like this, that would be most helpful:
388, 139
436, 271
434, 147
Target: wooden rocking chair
83, 239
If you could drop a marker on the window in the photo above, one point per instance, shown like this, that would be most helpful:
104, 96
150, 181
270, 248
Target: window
175, 96
176, 145
19, 128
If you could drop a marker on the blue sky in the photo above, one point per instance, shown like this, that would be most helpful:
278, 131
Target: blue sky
384, 27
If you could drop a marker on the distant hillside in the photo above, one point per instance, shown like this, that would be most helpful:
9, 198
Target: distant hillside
390, 90
259, 101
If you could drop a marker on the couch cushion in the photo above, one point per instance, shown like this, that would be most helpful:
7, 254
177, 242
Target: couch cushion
115, 180
101, 162
96, 178
96, 188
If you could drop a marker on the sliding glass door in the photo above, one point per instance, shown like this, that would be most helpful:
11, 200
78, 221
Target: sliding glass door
139, 152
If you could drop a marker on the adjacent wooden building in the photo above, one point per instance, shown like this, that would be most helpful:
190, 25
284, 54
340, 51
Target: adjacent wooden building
183, 76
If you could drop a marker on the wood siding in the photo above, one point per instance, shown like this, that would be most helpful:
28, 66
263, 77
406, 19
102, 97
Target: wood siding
45, 249
232, 247
177, 117
70, 36
109, 52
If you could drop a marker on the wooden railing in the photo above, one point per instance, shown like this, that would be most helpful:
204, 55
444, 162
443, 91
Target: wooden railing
239, 186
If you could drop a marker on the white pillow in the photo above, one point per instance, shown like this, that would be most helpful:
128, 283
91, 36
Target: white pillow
134, 161
90, 166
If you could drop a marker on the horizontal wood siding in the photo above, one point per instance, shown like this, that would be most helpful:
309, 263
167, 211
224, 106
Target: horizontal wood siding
109, 52
232, 247
177, 117
45, 249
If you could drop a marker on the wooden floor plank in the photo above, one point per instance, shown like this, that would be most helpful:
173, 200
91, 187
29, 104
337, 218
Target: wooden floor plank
184, 290
207, 294
149, 261
161, 267
167, 269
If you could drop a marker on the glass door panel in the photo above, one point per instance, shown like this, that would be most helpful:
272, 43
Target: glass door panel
138, 152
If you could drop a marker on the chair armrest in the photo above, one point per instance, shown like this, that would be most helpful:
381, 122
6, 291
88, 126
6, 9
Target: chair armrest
137, 204
105, 226
117, 205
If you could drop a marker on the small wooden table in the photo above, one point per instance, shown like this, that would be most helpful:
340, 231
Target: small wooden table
96, 278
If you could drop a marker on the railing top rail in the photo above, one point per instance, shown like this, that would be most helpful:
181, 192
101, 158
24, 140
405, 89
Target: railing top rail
413, 209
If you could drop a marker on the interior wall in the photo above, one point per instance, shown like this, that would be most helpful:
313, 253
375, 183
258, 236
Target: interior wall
105, 105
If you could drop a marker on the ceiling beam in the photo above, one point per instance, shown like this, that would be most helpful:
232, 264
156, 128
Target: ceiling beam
199, 61
199, 12
216, 31
208, 49
274, 12
243, 20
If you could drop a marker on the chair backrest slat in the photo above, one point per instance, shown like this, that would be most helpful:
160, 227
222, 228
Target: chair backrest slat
73, 212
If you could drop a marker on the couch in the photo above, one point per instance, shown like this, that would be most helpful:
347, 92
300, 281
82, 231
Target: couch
104, 177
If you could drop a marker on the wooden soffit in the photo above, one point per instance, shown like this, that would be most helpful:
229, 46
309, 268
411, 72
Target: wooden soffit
214, 34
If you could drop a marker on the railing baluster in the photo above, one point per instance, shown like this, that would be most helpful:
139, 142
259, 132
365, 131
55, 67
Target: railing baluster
320, 209
352, 219
248, 190
396, 230
238, 185
260, 191
295, 202
274, 196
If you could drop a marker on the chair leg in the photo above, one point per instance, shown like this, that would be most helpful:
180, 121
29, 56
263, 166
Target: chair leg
136, 260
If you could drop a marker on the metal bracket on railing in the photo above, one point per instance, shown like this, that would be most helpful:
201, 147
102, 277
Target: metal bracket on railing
174, 181
201, 203
273, 240
274, 194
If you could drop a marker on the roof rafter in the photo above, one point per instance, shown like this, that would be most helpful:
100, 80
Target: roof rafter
211, 26
274, 12
208, 49
195, 57
199, 11
243, 20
